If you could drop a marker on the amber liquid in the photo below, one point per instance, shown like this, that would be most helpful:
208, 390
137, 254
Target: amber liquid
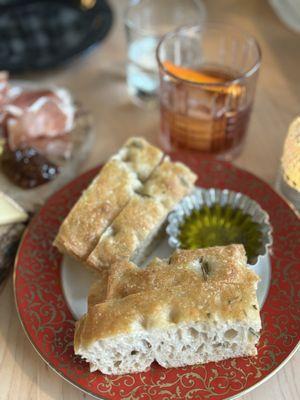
204, 118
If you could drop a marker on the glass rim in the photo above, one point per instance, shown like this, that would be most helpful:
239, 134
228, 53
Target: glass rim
153, 31
198, 28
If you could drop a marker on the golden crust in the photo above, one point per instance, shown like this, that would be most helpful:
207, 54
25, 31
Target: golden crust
169, 183
141, 156
225, 264
108, 194
142, 215
207, 302
94, 210
98, 290
126, 278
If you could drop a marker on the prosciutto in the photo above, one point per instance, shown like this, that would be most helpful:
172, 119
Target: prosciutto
41, 119
3, 87
3, 97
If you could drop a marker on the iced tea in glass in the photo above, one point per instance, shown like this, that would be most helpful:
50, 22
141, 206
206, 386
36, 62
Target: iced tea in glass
208, 76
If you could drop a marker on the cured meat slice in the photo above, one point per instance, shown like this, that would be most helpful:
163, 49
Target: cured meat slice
3, 93
25, 98
43, 119
3, 87
40, 119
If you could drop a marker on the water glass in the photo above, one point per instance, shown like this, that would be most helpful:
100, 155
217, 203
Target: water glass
145, 23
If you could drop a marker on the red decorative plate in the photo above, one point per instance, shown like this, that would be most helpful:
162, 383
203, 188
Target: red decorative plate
49, 323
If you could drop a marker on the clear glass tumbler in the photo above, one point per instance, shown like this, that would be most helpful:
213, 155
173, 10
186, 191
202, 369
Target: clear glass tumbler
146, 21
208, 76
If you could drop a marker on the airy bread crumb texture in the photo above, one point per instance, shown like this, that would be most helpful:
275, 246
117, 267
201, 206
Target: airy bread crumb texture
176, 326
195, 307
176, 346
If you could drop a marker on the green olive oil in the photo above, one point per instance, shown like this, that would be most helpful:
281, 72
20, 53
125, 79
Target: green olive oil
220, 226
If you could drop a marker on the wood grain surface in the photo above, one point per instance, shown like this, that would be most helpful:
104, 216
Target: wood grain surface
98, 81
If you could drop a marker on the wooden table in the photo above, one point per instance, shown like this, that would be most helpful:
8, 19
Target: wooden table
98, 80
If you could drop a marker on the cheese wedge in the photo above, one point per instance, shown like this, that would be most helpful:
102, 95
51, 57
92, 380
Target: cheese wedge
10, 211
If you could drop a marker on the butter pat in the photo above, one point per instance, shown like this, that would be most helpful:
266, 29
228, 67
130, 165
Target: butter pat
10, 211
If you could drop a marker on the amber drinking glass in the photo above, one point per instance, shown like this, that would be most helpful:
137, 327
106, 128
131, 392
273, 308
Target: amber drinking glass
208, 76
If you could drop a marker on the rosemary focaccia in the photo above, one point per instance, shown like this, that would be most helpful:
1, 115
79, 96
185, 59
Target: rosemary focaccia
212, 264
176, 326
116, 183
134, 231
177, 313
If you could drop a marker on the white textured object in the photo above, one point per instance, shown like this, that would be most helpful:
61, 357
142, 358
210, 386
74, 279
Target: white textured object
288, 11
290, 160
288, 180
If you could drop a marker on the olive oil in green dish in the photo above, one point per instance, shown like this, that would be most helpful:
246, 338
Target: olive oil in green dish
219, 226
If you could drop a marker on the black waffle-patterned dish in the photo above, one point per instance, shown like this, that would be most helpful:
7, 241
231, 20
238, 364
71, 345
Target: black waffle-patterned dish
36, 35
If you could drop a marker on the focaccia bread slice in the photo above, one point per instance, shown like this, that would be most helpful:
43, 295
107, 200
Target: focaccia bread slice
125, 278
223, 263
213, 264
107, 195
176, 326
98, 290
132, 234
